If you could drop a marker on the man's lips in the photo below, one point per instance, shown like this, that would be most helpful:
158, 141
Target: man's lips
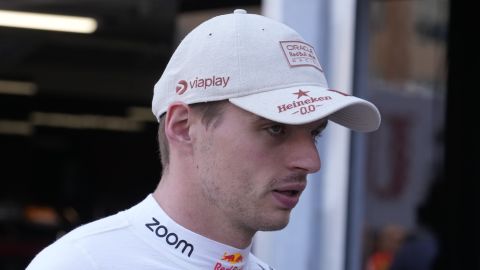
288, 194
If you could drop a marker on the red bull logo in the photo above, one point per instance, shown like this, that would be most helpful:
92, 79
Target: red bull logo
232, 258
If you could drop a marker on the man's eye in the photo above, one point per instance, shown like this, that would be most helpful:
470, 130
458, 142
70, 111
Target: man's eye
276, 130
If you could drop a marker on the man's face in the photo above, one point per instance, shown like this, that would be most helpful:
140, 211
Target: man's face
253, 170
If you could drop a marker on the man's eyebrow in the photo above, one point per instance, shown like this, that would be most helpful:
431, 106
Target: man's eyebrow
259, 119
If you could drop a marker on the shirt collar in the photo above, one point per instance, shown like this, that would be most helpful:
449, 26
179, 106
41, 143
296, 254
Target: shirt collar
152, 224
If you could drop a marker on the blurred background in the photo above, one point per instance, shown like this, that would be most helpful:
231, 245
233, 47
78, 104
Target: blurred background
78, 139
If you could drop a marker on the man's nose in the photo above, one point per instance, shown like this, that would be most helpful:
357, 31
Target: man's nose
303, 155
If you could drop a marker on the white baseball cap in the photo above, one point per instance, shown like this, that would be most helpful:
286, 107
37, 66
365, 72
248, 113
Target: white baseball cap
261, 66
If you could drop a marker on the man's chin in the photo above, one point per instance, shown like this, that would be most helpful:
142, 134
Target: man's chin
274, 225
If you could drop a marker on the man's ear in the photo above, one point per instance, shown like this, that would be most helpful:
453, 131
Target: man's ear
177, 123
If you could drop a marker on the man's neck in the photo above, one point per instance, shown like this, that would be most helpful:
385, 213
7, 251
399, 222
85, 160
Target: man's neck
181, 199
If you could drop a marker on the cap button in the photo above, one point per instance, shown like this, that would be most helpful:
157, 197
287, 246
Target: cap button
239, 11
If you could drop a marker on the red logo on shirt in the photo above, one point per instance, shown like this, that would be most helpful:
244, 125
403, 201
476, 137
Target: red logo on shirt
232, 259
219, 266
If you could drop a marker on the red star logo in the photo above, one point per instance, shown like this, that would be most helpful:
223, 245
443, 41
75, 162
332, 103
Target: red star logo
301, 93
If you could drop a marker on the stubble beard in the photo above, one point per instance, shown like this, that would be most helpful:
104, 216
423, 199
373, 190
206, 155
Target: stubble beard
239, 202
249, 217
279, 225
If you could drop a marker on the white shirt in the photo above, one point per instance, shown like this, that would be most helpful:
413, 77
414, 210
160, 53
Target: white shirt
143, 237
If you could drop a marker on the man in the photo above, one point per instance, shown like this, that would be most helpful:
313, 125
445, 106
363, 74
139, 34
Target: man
240, 105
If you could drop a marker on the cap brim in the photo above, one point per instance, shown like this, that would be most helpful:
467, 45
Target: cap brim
305, 104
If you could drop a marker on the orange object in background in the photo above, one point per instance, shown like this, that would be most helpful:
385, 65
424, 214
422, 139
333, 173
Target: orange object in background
389, 240
380, 260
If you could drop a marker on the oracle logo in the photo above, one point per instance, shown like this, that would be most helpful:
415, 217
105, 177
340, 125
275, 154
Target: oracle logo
300, 54
182, 86
302, 47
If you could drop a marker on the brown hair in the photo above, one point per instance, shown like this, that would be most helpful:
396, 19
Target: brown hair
209, 112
